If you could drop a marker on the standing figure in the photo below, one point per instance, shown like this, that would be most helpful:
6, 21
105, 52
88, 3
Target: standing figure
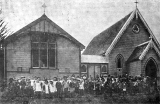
59, 88
124, 88
65, 87
46, 89
81, 87
38, 89
72, 87
53, 88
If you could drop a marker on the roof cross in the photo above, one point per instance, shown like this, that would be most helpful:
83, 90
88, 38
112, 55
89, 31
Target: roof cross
44, 7
136, 2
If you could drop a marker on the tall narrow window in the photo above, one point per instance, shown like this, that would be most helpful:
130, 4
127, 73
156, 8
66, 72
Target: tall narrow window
83, 69
35, 54
43, 50
52, 55
119, 62
104, 69
35, 50
52, 51
43, 55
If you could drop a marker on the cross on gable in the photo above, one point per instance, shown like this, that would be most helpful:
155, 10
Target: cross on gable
136, 2
44, 7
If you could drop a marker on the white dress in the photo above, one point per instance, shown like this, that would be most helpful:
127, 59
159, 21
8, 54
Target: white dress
81, 86
32, 82
46, 88
52, 87
38, 86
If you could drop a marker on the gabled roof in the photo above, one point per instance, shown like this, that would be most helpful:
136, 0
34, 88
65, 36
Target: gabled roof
44, 17
106, 41
101, 42
141, 50
136, 13
137, 52
93, 59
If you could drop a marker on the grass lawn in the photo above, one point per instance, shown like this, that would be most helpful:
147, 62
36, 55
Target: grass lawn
91, 99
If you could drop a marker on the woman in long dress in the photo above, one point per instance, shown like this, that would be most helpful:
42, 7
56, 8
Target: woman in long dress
53, 88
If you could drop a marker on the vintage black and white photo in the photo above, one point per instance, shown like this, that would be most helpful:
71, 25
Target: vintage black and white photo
79, 51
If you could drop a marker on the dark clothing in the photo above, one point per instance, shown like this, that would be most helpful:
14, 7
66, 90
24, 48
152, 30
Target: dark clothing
59, 89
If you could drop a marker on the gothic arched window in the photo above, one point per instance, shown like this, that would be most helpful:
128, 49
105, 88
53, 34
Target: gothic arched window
83, 69
104, 69
119, 61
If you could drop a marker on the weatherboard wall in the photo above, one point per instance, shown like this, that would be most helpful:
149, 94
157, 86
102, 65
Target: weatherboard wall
18, 54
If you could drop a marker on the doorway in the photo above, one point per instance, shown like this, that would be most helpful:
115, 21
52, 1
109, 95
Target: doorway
151, 68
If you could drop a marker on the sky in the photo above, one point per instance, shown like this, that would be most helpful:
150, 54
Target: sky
83, 19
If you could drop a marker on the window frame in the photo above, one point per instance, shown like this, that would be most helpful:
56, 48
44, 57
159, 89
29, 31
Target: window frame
104, 65
119, 56
39, 50
81, 69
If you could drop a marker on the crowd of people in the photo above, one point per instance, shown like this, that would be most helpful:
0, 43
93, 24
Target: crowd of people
71, 86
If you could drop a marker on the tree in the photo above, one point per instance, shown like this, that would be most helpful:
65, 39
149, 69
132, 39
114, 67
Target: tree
3, 29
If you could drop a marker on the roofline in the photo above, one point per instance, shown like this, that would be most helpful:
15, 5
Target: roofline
136, 11
148, 28
82, 46
150, 45
142, 44
120, 33
44, 17
145, 51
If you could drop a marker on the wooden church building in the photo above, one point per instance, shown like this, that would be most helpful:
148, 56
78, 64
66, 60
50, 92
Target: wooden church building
41, 49
128, 46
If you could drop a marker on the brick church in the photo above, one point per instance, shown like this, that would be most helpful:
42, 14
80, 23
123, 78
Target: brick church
129, 46
41, 49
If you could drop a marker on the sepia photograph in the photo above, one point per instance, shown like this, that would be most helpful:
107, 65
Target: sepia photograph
79, 51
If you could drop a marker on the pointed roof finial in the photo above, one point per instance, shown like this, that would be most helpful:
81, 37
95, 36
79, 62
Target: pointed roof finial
136, 2
151, 37
44, 7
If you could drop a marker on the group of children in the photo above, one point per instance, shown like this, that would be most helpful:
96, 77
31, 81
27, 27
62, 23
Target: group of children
71, 86
38, 88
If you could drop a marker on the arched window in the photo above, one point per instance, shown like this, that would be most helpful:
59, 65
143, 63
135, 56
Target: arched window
104, 69
83, 69
119, 61
151, 68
